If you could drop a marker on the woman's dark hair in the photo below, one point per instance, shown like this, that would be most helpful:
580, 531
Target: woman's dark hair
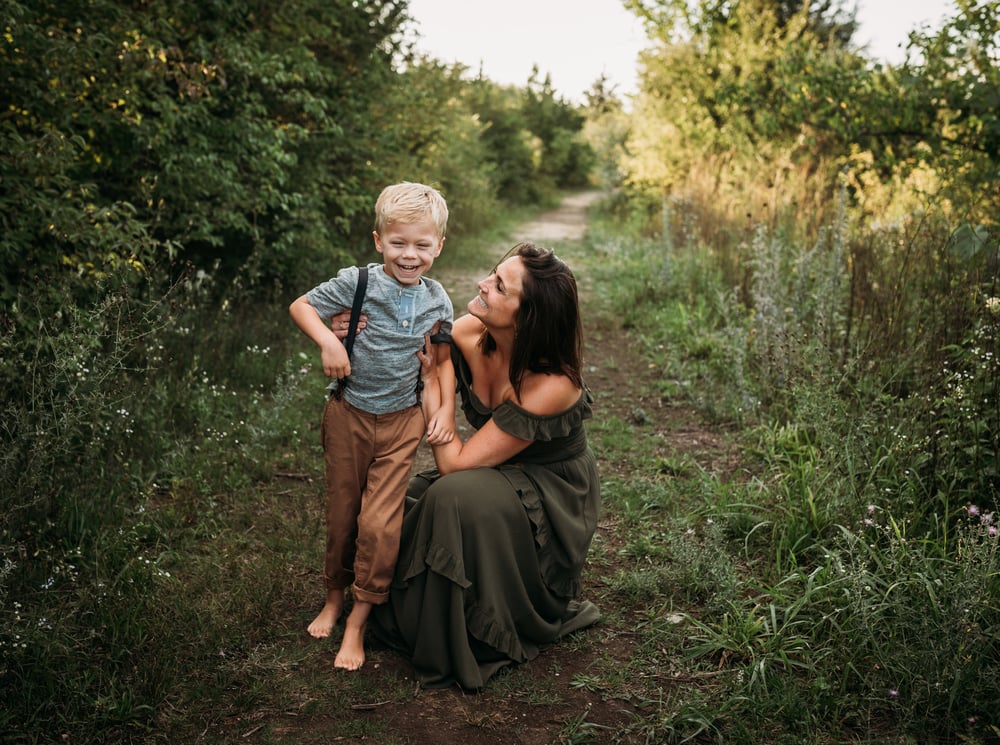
548, 333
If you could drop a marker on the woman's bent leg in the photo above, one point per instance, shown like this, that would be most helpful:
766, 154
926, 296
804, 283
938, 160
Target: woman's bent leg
468, 590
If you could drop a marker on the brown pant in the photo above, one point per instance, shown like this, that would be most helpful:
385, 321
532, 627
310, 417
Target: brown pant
368, 462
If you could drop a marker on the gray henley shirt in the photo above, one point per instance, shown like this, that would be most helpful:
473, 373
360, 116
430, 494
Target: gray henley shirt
384, 365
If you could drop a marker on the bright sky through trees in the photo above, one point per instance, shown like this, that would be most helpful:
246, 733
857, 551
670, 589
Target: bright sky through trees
576, 42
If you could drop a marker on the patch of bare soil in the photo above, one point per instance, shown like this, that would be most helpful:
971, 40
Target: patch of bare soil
539, 704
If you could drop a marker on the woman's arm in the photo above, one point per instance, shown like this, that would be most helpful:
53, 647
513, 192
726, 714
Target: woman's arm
490, 446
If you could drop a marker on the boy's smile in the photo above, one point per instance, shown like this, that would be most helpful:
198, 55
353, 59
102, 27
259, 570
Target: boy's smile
409, 249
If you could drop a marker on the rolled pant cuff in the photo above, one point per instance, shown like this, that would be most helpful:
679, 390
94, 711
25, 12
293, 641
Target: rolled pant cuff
375, 598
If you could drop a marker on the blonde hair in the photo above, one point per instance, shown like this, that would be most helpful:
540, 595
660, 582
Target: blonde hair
410, 202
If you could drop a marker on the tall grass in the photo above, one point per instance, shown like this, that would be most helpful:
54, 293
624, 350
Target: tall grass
137, 420
862, 372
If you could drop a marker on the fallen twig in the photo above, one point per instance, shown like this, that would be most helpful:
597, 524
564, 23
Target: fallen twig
290, 475
693, 678
369, 707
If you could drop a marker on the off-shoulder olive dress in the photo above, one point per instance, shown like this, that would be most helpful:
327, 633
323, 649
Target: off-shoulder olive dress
490, 559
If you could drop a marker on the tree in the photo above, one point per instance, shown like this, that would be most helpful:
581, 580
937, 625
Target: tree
222, 132
566, 158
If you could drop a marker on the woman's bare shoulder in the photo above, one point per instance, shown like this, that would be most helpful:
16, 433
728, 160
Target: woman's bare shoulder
466, 331
546, 394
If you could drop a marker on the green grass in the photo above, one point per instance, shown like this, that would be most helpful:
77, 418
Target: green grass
826, 626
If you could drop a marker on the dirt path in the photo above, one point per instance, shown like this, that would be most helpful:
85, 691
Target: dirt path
538, 703
567, 223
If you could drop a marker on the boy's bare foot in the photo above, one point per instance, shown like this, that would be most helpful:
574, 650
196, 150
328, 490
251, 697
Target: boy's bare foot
351, 655
322, 625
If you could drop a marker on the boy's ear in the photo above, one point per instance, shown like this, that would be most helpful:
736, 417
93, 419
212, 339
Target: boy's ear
378, 241
440, 246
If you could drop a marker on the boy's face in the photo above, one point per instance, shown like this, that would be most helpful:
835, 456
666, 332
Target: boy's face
409, 249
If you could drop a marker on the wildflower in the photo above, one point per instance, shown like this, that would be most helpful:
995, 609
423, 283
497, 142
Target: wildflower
868, 522
973, 510
992, 530
871, 509
986, 518
993, 305
893, 693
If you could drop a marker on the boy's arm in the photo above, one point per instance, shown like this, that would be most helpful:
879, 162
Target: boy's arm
438, 396
333, 355
430, 392
446, 381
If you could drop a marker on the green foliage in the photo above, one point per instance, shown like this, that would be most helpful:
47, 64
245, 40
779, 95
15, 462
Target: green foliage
252, 139
845, 213
566, 159
864, 532
142, 419
508, 143
433, 134
761, 114
953, 75
204, 132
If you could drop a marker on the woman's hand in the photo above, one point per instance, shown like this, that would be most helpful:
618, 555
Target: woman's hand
339, 323
428, 357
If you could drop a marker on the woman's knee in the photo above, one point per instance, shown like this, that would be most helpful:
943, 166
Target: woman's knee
475, 495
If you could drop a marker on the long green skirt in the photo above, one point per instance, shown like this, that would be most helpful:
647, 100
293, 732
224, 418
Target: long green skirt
468, 595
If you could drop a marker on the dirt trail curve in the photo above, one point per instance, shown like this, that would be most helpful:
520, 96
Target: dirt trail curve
566, 223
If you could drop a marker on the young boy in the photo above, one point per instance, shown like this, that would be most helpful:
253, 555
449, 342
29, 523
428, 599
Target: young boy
373, 424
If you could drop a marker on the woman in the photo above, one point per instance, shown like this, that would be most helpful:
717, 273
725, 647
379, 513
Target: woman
494, 540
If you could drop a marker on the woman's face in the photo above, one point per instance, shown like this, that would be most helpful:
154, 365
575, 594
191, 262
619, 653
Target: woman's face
499, 295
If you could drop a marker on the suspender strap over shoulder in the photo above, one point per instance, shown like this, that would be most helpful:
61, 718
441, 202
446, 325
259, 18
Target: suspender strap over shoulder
352, 326
359, 297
